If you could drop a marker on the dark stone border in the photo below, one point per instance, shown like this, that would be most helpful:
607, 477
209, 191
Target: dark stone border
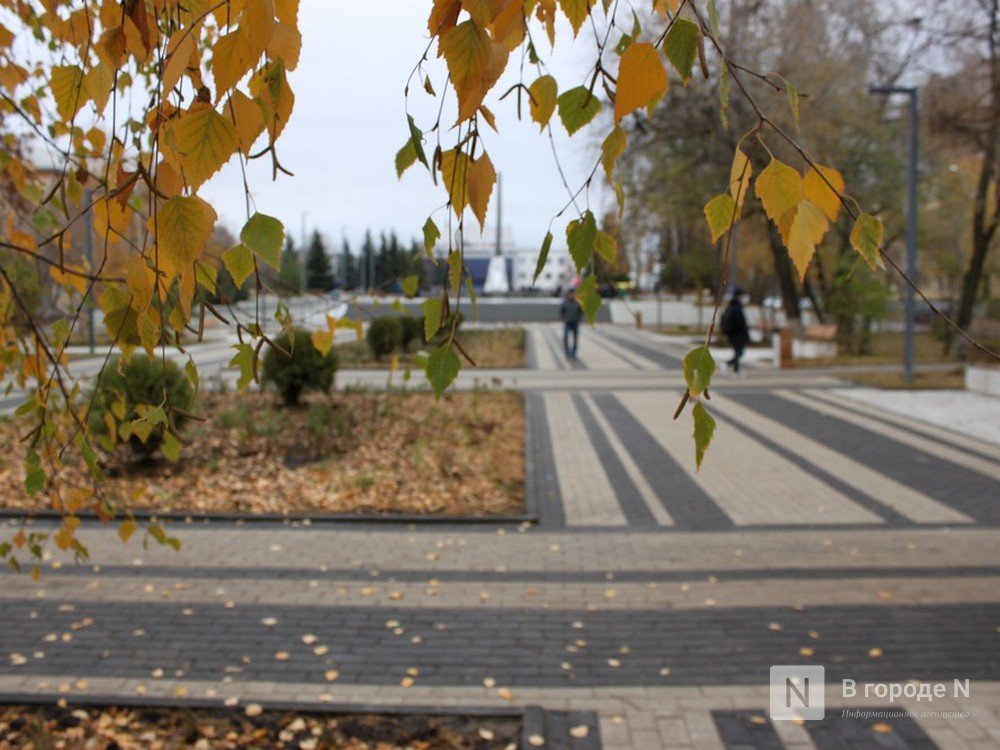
534, 719
400, 519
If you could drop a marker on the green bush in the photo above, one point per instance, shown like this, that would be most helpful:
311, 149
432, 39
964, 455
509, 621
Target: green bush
384, 336
127, 384
302, 369
413, 330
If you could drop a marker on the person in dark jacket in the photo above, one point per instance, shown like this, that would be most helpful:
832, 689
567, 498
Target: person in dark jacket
734, 326
570, 313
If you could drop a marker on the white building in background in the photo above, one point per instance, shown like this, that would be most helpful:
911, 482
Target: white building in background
515, 264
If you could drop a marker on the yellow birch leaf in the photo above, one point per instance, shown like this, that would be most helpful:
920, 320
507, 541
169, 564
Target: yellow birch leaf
270, 88
203, 140
67, 90
258, 18
184, 226
140, 280
641, 79
807, 230
288, 11
168, 179
482, 12
739, 178
231, 60
322, 341
69, 281
444, 15
720, 213
544, 93
248, 118
285, 45
111, 219
576, 11
454, 177
475, 62
98, 83
508, 27
866, 238
825, 193
178, 54
779, 188
482, 177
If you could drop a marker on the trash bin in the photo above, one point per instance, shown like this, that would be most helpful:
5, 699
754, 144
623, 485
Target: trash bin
782, 342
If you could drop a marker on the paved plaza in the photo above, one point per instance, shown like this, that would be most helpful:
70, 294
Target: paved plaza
646, 604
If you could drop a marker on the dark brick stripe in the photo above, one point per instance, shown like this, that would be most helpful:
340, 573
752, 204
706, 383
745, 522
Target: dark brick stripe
883, 511
601, 337
489, 575
858, 409
746, 730
631, 502
837, 731
542, 484
664, 360
968, 491
688, 505
516, 647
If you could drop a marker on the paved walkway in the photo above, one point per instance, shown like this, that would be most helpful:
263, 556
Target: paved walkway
649, 601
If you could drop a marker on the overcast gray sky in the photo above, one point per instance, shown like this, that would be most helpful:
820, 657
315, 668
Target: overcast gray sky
349, 122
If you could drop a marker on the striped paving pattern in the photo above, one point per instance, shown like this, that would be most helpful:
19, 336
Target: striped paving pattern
650, 597
778, 459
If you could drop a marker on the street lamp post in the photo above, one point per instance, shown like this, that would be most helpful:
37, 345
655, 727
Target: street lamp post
911, 221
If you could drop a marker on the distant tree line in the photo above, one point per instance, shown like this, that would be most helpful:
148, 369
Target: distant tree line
375, 267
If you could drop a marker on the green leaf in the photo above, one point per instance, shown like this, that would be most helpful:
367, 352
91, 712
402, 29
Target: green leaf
607, 247
698, 370
206, 276
542, 256
442, 369
681, 46
432, 317
580, 236
455, 271
720, 212
264, 235
613, 147
34, 480
171, 447
586, 294
431, 235
417, 139
704, 428
577, 107
405, 158
725, 84
191, 370
239, 262
244, 359
866, 238
713, 18
410, 285
793, 101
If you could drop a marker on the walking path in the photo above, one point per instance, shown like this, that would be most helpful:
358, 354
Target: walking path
649, 601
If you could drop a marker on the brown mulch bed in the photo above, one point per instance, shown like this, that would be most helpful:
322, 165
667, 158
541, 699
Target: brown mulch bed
489, 348
23, 727
357, 451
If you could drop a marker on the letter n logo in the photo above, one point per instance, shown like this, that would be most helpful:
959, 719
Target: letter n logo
797, 691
